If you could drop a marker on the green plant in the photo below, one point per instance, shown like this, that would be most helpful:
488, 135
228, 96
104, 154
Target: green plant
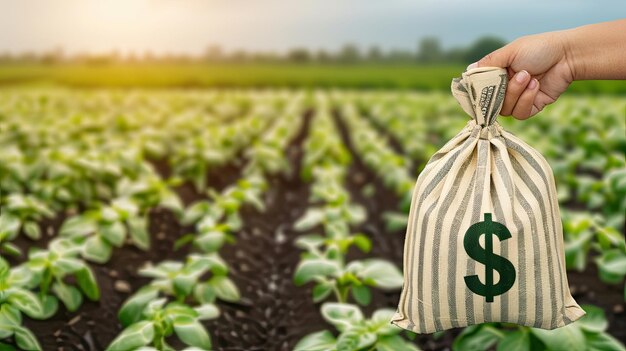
159, 320
22, 212
150, 319
101, 229
589, 333
355, 332
327, 268
51, 267
16, 299
217, 219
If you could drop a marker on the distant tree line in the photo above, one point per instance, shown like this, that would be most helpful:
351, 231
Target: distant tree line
427, 51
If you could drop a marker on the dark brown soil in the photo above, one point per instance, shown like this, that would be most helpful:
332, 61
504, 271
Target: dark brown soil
587, 288
274, 313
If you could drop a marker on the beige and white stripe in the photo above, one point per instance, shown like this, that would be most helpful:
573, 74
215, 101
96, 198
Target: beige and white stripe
484, 169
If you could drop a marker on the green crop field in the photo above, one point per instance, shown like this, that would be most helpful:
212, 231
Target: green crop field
152, 75
273, 219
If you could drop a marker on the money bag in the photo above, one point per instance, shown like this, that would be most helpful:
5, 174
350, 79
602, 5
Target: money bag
484, 239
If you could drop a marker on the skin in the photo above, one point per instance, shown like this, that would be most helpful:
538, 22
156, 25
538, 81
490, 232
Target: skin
542, 66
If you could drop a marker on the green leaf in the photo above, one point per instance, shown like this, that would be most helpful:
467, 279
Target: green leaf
341, 315
154, 307
210, 241
6, 330
10, 249
309, 242
204, 293
172, 202
362, 294
138, 230
64, 266
50, 306
320, 341
603, 342
135, 336
569, 337
476, 338
131, 310
225, 289
20, 276
27, 302
7, 347
195, 211
518, 340
9, 226
110, 215
78, 226
321, 291
26, 340
183, 240
207, 311
612, 266
395, 221
97, 250
69, 295
594, 321
310, 269
383, 273
175, 309
351, 340
394, 343
380, 322
191, 332
311, 218
87, 283
114, 233
10, 315
32, 230
183, 284
362, 242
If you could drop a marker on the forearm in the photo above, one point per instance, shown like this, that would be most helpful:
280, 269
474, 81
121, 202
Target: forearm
598, 51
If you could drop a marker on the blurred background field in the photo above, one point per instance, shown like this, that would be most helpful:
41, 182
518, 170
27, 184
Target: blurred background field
237, 176
357, 75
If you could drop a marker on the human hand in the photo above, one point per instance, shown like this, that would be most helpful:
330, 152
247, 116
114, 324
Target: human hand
539, 68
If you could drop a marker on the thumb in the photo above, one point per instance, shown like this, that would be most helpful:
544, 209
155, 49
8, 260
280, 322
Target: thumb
499, 58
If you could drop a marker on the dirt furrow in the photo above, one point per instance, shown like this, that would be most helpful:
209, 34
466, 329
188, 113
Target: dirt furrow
274, 313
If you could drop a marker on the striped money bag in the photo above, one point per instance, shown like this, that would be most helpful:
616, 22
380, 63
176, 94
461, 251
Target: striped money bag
484, 240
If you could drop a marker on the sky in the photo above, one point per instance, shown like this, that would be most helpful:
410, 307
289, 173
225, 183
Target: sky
190, 26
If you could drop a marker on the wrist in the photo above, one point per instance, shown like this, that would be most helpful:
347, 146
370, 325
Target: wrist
573, 53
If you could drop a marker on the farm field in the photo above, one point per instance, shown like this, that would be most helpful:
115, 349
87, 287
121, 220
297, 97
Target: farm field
248, 219
255, 75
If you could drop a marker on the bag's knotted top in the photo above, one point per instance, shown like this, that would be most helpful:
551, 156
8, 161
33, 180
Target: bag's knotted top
480, 91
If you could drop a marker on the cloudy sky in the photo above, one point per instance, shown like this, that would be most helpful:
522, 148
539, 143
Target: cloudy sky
189, 26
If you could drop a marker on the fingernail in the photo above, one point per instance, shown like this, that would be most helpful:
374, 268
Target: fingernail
521, 76
472, 65
533, 84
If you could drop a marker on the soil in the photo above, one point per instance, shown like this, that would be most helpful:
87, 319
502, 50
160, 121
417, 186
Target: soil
587, 288
273, 313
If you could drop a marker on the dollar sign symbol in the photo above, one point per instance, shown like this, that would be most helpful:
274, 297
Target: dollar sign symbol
486, 256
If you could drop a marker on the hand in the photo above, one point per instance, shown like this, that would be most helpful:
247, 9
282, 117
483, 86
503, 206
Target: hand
539, 72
